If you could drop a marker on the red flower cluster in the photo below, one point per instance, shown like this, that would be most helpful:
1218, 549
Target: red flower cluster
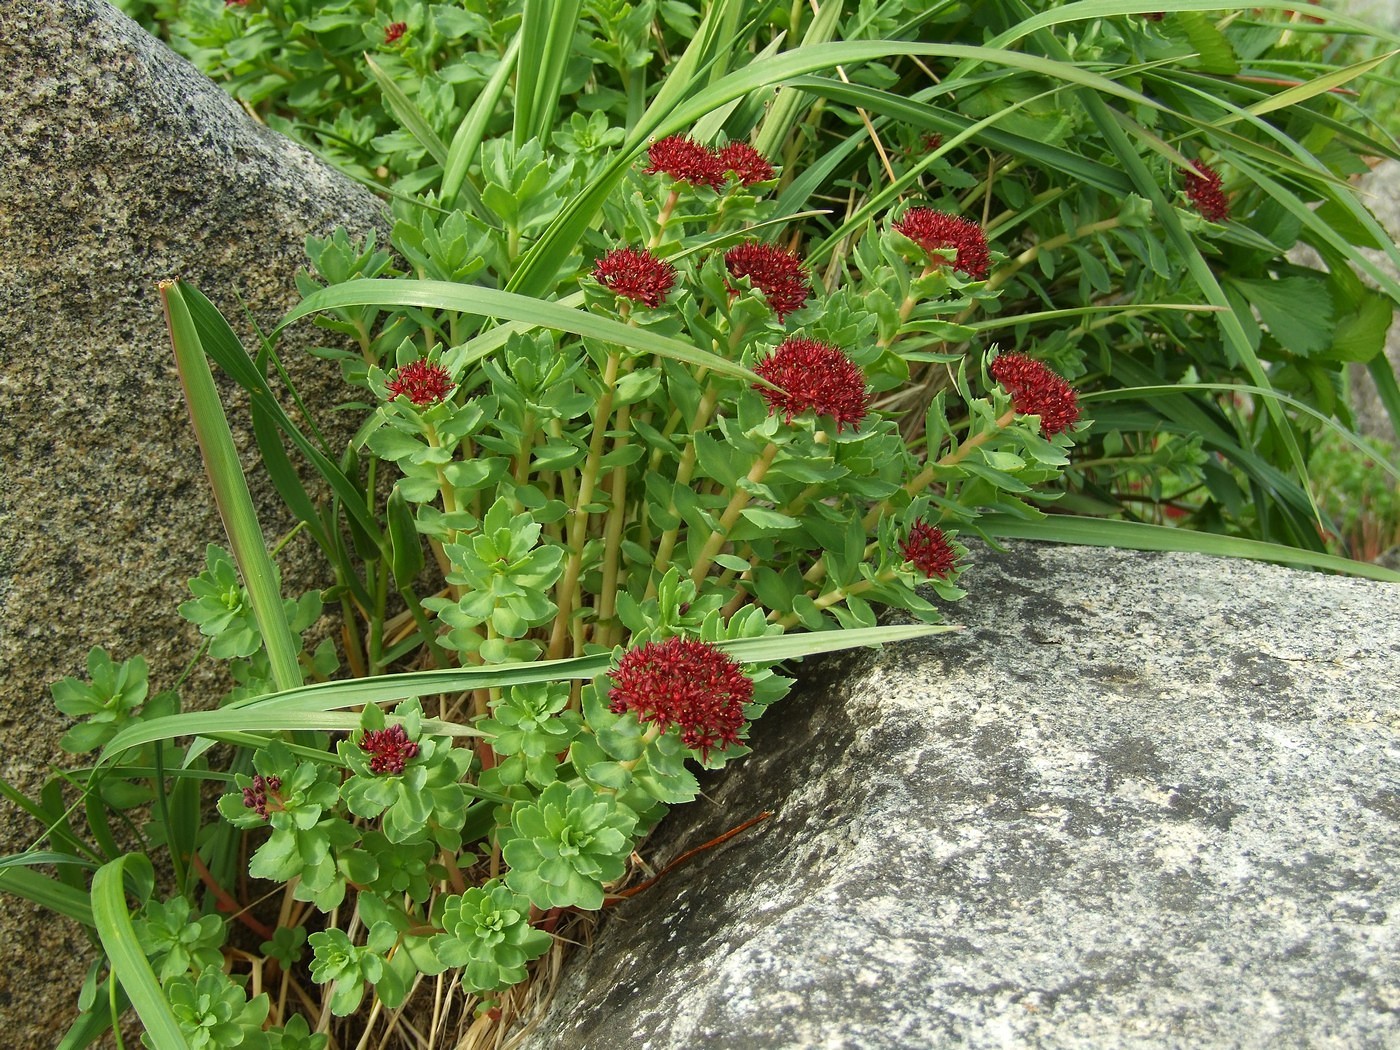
748, 165
686, 160
393, 31
1037, 391
389, 749
255, 797
686, 683
816, 376
636, 274
425, 383
935, 231
928, 549
1204, 191
931, 140
779, 275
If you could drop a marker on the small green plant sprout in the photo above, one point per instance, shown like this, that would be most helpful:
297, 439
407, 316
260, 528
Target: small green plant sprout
489, 937
107, 702
215, 1013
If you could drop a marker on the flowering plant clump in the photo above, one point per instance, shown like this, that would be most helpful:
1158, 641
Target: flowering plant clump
663, 383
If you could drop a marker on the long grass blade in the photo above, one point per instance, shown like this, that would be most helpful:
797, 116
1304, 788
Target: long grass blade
312, 706
1133, 535
223, 347
407, 113
47, 892
231, 489
124, 953
470, 133
491, 302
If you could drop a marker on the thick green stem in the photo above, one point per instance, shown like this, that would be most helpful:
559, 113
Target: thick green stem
727, 520
667, 542
831, 597
578, 522
1034, 252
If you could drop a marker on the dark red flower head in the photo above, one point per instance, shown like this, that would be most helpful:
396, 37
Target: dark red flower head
686, 160
389, 749
1204, 191
424, 382
636, 274
936, 231
393, 31
686, 683
255, 797
816, 376
928, 549
931, 141
1037, 391
779, 275
747, 164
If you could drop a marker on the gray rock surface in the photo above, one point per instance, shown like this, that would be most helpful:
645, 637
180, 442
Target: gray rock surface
120, 165
1144, 800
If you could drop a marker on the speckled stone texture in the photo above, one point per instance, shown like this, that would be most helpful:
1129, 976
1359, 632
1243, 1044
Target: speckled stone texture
1144, 800
120, 165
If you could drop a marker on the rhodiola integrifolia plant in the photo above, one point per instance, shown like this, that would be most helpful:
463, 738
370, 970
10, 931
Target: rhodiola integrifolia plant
568, 497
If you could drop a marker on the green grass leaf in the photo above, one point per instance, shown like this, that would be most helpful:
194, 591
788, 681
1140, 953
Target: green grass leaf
491, 302
1099, 532
230, 488
45, 891
118, 935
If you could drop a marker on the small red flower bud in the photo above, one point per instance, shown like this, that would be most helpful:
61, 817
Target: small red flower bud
931, 140
1203, 190
928, 549
255, 797
1037, 391
686, 160
749, 165
687, 683
816, 376
636, 274
393, 31
936, 231
389, 749
424, 382
779, 275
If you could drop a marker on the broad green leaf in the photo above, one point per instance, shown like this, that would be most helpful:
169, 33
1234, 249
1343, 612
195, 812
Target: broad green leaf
1297, 310
1360, 336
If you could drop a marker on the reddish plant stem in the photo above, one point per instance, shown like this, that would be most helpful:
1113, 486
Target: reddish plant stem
687, 855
